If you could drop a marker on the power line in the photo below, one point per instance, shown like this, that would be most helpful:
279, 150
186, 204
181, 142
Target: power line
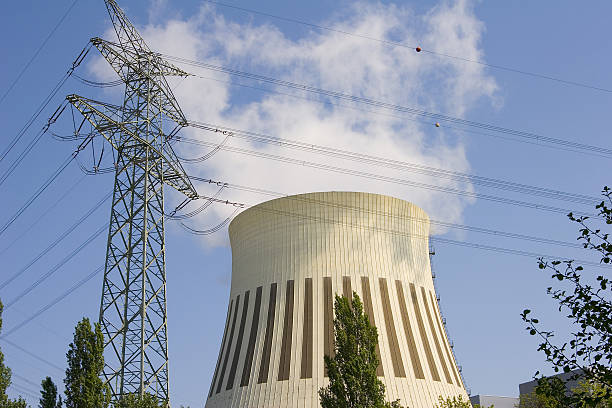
27, 65
23, 390
394, 180
74, 287
389, 163
56, 241
510, 251
394, 107
13, 374
37, 193
390, 115
44, 104
48, 274
31, 354
414, 47
46, 184
43, 215
443, 224
54, 301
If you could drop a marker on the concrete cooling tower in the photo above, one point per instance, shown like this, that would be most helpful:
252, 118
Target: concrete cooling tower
289, 257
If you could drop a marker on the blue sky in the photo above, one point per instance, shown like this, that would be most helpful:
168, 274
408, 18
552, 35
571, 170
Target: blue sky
482, 292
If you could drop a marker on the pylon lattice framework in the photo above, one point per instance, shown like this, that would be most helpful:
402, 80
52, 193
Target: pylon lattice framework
133, 306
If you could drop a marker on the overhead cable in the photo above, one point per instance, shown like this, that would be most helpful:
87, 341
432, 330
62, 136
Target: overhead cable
61, 263
69, 291
54, 301
42, 107
56, 241
207, 155
413, 47
32, 143
46, 184
443, 224
394, 107
535, 255
213, 229
393, 164
23, 390
24, 379
394, 180
195, 212
96, 84
33, 355
24, 231
397, 116
27, 65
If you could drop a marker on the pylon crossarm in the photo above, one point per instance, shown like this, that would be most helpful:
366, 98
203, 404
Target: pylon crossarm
106, 118
134, 63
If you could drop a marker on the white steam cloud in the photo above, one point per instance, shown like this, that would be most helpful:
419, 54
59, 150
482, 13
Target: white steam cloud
338, 62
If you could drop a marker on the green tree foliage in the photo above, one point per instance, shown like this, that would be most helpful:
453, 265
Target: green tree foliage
455, 402
535, 400
5, 379
587, 303
594, 390
48, 394
17, 403
84, 387
352, 371
137, 401
5, 372
550, 392
553, 393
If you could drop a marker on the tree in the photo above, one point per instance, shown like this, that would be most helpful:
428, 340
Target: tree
5, 379
588, 304
455, 402
593, 389
84, 387
5, 372
535, 400
552, 392
352, 371
136, 401
48, 394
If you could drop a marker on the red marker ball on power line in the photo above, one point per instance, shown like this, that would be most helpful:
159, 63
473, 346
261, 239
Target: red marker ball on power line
418, 49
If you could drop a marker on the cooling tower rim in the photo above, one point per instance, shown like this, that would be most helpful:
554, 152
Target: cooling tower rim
249, 211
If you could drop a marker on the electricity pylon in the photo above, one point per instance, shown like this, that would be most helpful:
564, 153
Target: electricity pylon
133, 306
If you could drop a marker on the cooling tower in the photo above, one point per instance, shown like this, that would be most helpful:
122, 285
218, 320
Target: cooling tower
289, 257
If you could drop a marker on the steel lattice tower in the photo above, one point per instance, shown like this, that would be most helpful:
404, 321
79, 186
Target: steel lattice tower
133, 306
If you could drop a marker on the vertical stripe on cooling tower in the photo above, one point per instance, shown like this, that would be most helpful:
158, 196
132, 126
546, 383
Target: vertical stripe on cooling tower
396, 356
306, 370
435, 337
227, 320
449, 356
367, 305
346, 288
328, 317
238, 348
285, 357
417, 311
248, 361
267, 349
414, 354
229, 346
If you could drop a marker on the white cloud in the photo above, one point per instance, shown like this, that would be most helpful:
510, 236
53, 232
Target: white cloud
338, 62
